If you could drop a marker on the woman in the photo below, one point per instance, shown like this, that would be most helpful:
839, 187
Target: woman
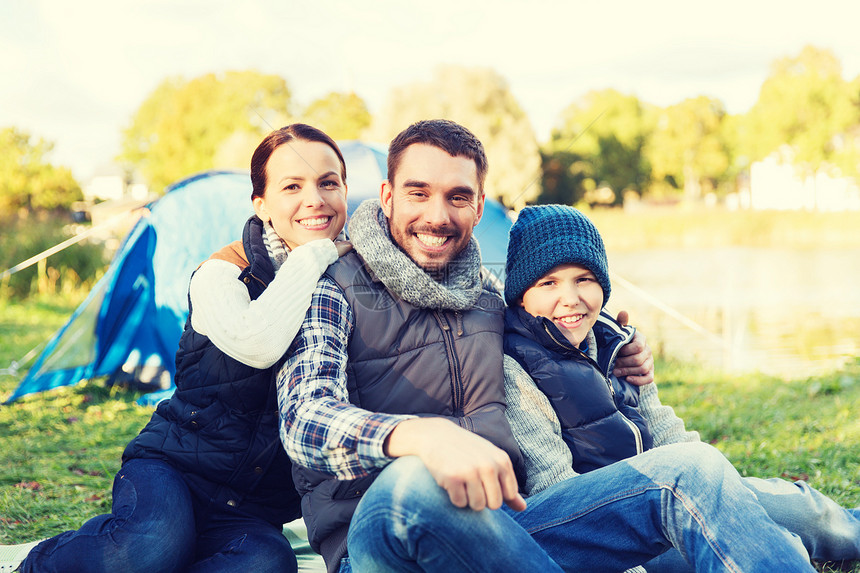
206, 485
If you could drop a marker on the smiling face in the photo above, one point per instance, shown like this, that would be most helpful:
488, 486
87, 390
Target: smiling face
570, 296
305, 196
432, 205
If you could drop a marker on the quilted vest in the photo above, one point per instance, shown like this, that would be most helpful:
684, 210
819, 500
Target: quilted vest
408, 360
599, 414
220, 427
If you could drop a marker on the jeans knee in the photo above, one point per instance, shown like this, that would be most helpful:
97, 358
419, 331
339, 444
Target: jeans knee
406, 477
151, 554
403, 492
268, 554
694, 462
706, 460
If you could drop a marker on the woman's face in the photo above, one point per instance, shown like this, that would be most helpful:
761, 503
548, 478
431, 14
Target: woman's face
305, 197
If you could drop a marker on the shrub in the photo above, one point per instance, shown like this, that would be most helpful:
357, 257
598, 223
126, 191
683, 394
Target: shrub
74, 267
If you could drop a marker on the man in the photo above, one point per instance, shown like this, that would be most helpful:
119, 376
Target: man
392, 404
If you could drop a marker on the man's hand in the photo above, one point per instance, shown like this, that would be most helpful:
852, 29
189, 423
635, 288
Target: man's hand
635, 361
473, 471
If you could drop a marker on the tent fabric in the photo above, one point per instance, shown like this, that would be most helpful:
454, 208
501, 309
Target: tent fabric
131, 322
129, 326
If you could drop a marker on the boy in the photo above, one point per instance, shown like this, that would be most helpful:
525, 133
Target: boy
556, 286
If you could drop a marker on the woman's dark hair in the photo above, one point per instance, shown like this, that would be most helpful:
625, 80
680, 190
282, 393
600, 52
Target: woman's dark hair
278, 138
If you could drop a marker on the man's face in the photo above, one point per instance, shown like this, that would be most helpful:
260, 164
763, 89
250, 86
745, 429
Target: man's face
433, 206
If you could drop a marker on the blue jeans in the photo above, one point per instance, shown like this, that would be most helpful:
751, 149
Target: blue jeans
158, 525
684, 495
829, 531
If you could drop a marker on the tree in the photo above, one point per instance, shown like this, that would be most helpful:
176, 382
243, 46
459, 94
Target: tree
481, 100
564, 176
341, 115
182, 126
27, 180
688, 147
806, 104
606, 132
846, 145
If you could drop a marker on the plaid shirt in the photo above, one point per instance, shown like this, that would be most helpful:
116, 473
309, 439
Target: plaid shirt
320, 428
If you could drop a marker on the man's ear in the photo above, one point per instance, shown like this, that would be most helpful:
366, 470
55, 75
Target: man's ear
260, 208
479, 211
385, 196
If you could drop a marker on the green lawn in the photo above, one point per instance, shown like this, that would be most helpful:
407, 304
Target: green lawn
61, 448
802, 429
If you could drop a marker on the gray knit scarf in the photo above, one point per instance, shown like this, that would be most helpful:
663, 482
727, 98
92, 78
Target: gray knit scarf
275, 245
458, 289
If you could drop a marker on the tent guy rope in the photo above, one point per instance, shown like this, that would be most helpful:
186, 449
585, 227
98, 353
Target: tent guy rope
66, 244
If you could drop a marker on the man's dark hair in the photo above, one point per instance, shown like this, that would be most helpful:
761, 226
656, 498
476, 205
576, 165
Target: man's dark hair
278, 138
451, 137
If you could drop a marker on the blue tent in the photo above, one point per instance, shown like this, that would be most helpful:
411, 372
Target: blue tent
129, 326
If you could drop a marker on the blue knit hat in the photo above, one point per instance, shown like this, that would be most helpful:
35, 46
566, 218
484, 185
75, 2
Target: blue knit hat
545, 236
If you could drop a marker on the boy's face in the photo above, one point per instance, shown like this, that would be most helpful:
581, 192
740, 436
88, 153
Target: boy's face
570, 296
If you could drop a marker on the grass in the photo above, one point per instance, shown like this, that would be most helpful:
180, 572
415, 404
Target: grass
61, 448
805, 429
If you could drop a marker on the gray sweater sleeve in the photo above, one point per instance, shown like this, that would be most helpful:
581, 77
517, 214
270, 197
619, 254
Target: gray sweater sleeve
537, 431
666, 427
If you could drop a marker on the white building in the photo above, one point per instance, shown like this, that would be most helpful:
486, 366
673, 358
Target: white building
110, 181
777, 184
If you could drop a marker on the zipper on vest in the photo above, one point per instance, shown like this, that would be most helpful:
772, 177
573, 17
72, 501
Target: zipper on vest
248, 276
637, 434
568, 346
634, 429
453, 365
459, 316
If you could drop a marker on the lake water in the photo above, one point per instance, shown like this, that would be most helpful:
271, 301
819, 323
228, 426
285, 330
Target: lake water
784, 312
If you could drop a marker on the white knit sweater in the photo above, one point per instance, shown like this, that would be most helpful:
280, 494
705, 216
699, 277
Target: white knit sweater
258, 332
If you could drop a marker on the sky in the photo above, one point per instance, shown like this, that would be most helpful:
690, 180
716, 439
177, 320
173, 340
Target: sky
75, 72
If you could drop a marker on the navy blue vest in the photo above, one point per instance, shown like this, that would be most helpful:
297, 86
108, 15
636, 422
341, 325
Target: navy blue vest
599, 414
220, 427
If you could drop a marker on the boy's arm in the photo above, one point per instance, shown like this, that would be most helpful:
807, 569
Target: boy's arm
537, 430
666, 427
257, 332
